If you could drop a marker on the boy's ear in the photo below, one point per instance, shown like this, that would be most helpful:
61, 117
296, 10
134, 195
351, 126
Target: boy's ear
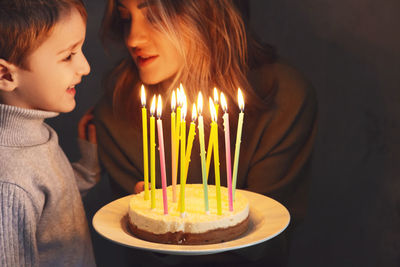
8, 73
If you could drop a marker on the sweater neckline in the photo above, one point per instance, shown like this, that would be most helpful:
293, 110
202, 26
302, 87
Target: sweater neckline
23, 127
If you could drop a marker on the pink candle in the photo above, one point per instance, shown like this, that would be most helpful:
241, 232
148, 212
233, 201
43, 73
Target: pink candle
227, 150
162, 155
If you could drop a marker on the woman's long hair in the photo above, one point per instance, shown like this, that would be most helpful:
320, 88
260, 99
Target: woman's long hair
211, 37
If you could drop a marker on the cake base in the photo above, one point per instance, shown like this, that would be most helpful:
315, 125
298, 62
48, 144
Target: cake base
181, 238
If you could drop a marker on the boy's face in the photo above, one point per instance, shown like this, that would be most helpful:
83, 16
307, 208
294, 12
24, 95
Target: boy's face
55, 68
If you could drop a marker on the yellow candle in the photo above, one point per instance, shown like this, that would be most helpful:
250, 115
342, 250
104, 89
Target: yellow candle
177, 133
214, 133
174, 160
183, 159
145, 145
238, 140
210, 140
202, 150
192, 133
153, 153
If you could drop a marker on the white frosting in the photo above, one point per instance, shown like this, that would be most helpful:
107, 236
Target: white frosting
196, 220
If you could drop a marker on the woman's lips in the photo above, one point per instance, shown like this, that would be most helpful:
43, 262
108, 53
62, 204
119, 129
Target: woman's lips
71, 91
142, 62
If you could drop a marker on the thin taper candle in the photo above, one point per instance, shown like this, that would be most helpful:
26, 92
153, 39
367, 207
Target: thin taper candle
153, 154
200, 125
225, 117
183, 159
162, 154
190, 139
174, 159
145, 144
177, 135
214, 132
238, 141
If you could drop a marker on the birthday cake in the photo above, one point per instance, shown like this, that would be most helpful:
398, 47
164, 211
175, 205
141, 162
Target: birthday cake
193, 227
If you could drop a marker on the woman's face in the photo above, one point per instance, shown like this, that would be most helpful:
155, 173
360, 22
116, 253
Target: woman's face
156, 58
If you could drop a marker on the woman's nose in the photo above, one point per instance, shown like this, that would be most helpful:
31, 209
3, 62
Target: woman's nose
138, 32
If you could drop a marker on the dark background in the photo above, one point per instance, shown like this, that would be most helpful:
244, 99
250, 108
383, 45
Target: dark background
350, 50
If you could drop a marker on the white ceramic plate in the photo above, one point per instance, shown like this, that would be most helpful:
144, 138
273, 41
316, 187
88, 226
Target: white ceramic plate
268, 218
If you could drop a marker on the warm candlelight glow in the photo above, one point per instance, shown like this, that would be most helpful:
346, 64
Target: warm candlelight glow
213, 112
173, 101
153, 106
240, 100
200, 103
143, 96
215, 95
159, 107
194, 113
224, 105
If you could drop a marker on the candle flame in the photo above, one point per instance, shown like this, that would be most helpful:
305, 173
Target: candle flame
182, 94
153, 106
215, 95
240, 100
213, 112
184, 108
194, 113
200, 103
159, 107
143, 96
224, 105
173, 101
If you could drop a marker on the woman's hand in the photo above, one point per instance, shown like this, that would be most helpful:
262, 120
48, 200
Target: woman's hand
86, 128
139, 187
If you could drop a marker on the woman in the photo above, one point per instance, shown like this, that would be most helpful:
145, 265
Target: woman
204, 44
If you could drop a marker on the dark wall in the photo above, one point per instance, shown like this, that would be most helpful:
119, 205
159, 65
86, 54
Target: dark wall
350, 50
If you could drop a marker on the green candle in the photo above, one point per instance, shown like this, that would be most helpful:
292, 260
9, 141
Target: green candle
202, 150
238, 141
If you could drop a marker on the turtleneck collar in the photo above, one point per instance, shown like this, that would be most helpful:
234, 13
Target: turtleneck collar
23, 127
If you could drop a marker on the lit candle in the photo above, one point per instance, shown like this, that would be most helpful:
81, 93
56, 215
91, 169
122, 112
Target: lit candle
190, 139
174, 145
238, 140
162, 154
153, 153
214, 133
225, 117
145, 146
183, 158
210, 140
200, 126
177, 133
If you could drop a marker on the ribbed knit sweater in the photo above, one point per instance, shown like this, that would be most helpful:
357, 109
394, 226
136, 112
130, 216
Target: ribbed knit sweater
42, 219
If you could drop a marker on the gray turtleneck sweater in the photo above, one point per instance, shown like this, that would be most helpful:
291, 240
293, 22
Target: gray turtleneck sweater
42, 219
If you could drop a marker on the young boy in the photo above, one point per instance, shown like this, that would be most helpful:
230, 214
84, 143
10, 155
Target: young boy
42, 220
